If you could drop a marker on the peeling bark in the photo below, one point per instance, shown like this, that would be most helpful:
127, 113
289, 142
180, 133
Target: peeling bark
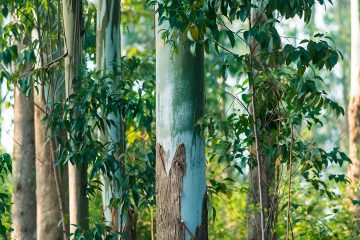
169, 187
179, 106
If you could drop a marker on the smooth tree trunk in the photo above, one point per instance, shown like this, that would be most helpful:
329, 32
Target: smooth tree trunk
78, 202
180, 158
23, 175
342, 13
58, 92
48, 208
108, 53
354, 105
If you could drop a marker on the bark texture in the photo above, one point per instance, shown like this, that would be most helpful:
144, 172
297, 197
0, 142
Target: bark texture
354, 116
269, 204
266, 181
48, 208
168, 197
78, 202
48, 204
181, 165
354, 105
23, 175
129, 228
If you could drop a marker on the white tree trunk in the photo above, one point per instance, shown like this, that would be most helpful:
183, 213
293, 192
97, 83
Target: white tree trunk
108, 54
180, 160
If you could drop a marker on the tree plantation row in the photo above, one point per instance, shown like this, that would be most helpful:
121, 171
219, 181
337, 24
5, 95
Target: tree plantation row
180, 119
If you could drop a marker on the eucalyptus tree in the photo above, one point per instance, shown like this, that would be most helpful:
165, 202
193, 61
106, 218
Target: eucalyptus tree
48, 206
180, 158
51, 209
108, 54
269, 90
278, 94
23, 175
78, 201
28, 27
262, 168
354, 102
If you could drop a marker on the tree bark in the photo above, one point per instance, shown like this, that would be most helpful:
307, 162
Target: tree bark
48, 209
354, 105
180, 158
108, 58
23, 175
261, 201
342, 13
78, 202
48, 205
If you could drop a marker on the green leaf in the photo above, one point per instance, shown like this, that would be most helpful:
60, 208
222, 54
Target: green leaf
231, 38
5, 11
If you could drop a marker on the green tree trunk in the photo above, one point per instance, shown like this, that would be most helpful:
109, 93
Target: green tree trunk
180, 158
78, 202
23, 175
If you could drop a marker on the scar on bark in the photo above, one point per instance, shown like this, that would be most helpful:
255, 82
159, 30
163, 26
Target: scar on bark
168, 188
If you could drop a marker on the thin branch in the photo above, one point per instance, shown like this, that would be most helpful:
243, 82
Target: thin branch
46, 66
21, 145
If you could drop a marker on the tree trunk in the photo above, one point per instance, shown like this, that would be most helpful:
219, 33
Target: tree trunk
261, 197
78, 202
48, 209
180, 158
354, 104
108, 53
342, 10
269, 201
48, 206
24, 179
